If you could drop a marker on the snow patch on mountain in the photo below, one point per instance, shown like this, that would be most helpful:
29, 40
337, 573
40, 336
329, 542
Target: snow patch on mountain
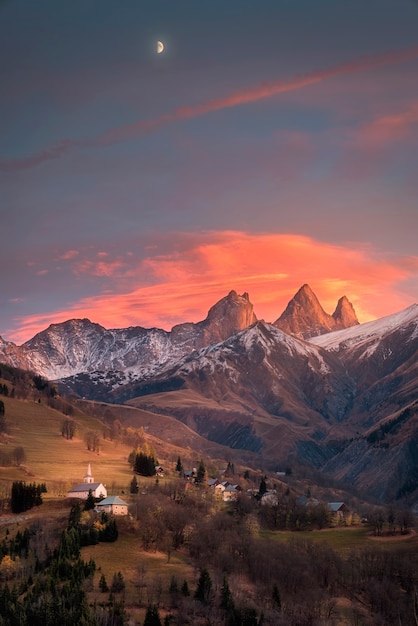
369, 334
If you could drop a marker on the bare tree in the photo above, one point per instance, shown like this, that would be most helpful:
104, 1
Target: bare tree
68, 428
18, 456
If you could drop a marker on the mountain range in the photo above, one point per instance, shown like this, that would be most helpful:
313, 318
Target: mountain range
311, 388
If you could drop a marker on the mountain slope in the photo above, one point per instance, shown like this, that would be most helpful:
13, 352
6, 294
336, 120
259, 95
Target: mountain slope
278, 388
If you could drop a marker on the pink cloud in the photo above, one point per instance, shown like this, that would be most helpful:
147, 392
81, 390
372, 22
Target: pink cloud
389, 127
248, 95
270, 267
70, 254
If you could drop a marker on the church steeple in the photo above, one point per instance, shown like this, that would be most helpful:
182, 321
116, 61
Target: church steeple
88, 478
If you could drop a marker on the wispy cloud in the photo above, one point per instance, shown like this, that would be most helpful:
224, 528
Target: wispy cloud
251, 94
387, 128
182, 286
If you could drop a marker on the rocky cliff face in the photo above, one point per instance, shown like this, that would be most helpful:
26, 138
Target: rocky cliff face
304, 317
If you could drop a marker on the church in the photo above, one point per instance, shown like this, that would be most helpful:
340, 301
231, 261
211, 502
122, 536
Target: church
83, 489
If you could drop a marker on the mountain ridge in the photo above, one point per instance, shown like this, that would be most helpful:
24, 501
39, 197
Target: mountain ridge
343, 402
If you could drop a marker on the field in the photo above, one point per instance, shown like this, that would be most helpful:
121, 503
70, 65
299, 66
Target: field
53, 459
346, 539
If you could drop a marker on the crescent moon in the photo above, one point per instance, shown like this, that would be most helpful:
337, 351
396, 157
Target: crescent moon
160, 47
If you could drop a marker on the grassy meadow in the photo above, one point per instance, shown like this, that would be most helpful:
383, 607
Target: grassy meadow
51, 458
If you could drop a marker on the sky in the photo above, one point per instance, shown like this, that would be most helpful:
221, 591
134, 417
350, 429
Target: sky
272, 143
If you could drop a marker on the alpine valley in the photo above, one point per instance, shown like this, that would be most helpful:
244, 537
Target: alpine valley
310, 388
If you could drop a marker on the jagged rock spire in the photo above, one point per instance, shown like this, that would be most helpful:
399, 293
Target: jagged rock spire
304, 316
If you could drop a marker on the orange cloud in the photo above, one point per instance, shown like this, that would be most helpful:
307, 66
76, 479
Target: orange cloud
251, 94
271, 267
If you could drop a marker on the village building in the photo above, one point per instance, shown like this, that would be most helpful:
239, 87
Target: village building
339, 511
88, 485
230, 493
113, 505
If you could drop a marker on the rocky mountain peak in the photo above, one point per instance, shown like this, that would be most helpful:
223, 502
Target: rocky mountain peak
230, 315
304, 316
344, 314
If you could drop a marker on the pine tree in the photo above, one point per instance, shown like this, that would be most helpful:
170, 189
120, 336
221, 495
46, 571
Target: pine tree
134, 488
103, 584
276, 597
152, 616
90, 503
204, 592
227, 602
201, 471
185, 589
263, 487
179, 466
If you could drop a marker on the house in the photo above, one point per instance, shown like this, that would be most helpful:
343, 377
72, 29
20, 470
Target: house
190, 474
113, 505
83, 489
270, 498
230, 493
339, 509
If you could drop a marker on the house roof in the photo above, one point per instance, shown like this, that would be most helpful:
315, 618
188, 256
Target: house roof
111, 500
86, 487
336, 506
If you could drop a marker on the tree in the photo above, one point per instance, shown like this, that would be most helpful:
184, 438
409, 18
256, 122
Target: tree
179, 466
144, 464
185, 589
152, 616
90, 503
93, 440
118, 583
201, 471
227, 603
204, 592
103, 584
68, 429
2, 418
276, 597
134, 488
263, 487
75, 516
18, 456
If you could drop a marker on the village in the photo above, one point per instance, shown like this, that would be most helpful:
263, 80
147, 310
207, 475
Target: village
223, 490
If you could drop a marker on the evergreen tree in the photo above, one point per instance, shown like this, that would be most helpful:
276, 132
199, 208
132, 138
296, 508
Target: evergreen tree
118, 583
263, 487
173, 589
144, 464
75, 516
110, 532
276, 597
90, 503
227, 603
134, 488
204, 592
201, 471
103, 584
185, 589
179, 466
152, 616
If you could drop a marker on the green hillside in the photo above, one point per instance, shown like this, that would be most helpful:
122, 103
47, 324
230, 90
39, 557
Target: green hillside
50, 457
